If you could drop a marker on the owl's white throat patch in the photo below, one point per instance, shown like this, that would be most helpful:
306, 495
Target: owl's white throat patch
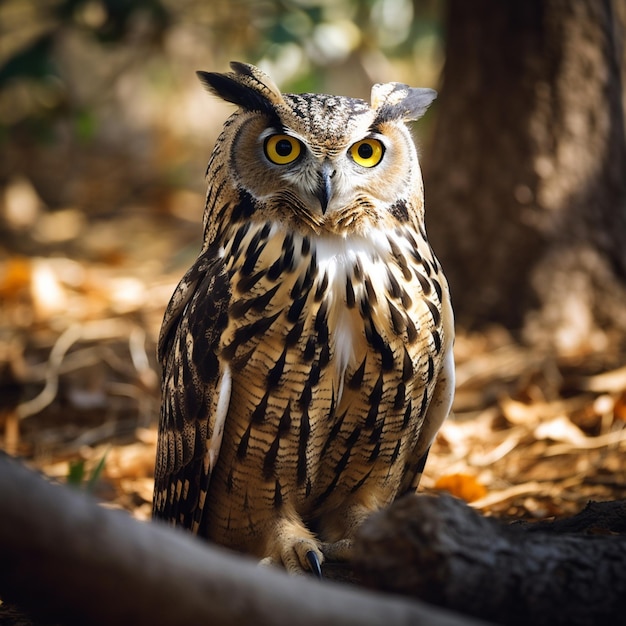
346, 260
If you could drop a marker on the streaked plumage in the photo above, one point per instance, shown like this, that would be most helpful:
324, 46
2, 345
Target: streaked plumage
307, 353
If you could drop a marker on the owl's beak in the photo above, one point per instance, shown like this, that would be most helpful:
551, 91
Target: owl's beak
324, 188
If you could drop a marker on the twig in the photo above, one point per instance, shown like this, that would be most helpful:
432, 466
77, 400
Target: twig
47, 395
497, 497
616, 438
607, 382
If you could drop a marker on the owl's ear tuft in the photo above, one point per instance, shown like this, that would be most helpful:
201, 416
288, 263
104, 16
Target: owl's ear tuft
395, 101
246, 86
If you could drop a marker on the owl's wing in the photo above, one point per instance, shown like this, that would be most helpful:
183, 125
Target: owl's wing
196, 392
440, 403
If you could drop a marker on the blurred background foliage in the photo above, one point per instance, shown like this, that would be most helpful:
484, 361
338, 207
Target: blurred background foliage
100, 108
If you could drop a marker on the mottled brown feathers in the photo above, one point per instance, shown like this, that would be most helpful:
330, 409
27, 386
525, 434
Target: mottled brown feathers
307, 353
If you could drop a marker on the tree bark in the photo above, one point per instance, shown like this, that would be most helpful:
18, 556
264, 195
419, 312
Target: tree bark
66, 558
525, 181
440, 550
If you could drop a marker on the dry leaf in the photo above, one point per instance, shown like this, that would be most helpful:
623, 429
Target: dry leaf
462, 486
561, 429
519, 413
620, 407
15, 277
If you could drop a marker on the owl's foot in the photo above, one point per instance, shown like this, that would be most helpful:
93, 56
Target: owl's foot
293, 547
341, 550
298, 558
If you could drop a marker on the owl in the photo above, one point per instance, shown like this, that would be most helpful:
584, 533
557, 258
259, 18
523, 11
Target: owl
307, 353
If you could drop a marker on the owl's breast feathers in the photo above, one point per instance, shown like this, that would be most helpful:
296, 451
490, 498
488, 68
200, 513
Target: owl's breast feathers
333, 351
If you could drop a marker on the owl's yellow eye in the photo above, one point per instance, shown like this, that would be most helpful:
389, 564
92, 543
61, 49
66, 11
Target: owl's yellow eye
282, 149
367, 153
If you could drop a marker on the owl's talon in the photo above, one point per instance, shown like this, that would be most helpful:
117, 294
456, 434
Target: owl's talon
314, 562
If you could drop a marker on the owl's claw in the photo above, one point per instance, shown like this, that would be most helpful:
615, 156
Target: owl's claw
314, 562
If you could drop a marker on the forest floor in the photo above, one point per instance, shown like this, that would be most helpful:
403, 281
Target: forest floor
532, 436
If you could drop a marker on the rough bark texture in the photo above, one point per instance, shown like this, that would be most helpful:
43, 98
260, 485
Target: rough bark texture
525, 181
440, 550
69, 559
596, 518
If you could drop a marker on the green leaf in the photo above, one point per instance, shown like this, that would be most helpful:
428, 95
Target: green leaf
76, 473
97, 473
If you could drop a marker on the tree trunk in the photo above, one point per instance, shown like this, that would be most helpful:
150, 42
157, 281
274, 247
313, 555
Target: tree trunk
526, 178
439, 550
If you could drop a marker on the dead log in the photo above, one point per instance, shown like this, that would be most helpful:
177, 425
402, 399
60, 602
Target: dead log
596, 518
440, 550
66, 558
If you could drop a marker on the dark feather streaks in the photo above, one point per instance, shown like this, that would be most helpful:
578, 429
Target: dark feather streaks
246, 283
305, 281
269, 462
321, 324
256, 246
424, 283
400, 259
334, 431
241, 307
305, 431
242, 231
294, 334
245, 333
434, 311
438, 289
437, 341
245, 208
293, 314
242, 448
430, 373
278, 495
309, 349
258, 415
324, 357
400, 396
375, 397
275, 373
341, 465
424, 404
408, 412
407, 367
400, 211
380, 345
284, 263
350, 299
357, 378
321, 288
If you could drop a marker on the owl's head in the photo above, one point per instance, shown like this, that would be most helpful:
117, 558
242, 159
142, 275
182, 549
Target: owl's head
319, 163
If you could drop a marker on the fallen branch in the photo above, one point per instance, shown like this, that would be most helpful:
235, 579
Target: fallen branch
441, 551
69, 559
